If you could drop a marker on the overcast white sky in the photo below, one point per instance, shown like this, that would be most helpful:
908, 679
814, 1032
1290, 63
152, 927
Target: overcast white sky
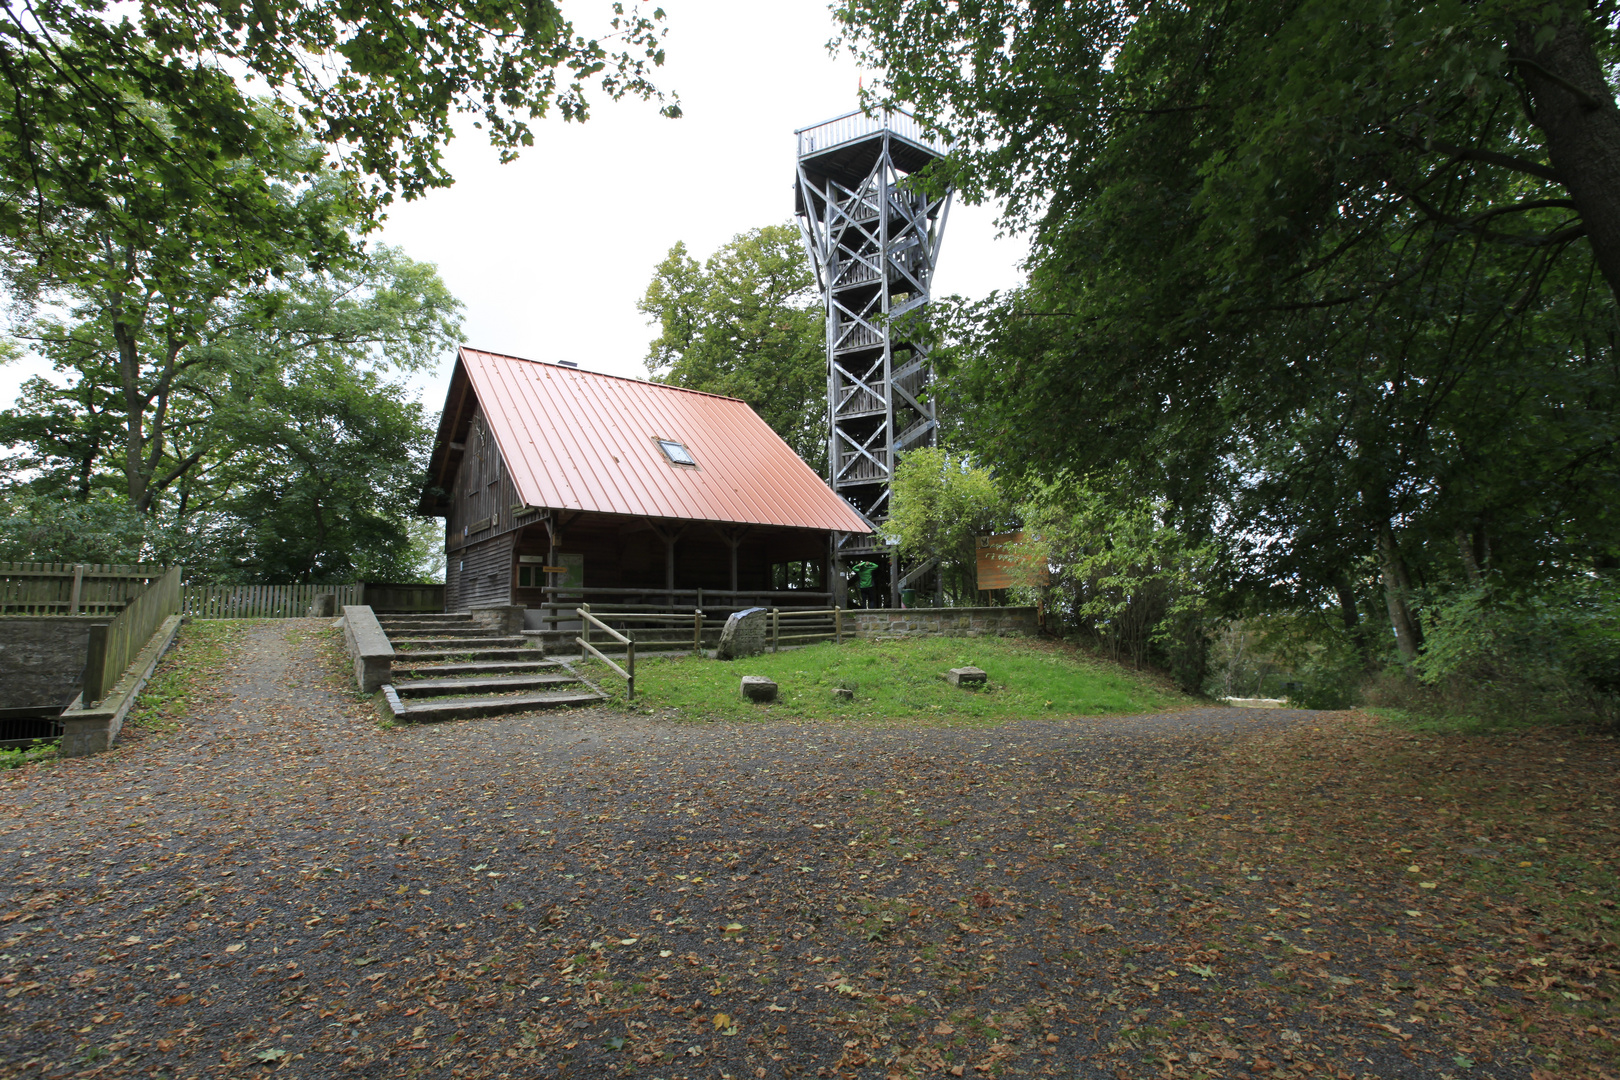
549, 254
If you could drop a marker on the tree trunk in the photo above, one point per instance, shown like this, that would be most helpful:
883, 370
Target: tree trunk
1348, 612
1397, 595
1573, 105
1465, 550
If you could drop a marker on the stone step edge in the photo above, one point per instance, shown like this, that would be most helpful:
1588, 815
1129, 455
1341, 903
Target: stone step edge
456, 708
473, 685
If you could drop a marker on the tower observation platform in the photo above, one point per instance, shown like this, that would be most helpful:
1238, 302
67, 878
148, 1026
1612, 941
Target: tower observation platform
874, 238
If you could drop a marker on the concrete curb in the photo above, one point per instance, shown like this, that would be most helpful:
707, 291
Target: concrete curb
369, 648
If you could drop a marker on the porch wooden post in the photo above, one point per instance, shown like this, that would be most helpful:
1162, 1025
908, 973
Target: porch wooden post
669, 567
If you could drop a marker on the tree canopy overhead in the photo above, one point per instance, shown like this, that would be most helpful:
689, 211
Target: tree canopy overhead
378, 82
1335, 278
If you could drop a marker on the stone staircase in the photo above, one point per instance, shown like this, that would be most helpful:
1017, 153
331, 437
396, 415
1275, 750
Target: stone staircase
448, 667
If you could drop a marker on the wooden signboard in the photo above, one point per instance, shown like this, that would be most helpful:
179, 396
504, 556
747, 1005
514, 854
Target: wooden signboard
1000, 565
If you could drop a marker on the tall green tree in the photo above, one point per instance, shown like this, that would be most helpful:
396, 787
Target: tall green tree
1333, 279
940, 503
291, 451
151, 263
747, 323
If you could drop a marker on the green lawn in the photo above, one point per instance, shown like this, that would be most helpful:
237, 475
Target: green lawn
896, 680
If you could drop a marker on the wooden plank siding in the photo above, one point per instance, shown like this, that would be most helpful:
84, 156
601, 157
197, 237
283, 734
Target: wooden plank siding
480, 573
483, 501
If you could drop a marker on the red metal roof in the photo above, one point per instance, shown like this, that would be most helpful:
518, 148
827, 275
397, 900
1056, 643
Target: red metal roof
580, 440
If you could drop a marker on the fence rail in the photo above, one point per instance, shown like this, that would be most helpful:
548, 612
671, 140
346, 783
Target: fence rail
112, 646
38, 588
586, 621
204, 601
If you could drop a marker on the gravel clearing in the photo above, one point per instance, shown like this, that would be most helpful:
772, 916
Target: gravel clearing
284, 886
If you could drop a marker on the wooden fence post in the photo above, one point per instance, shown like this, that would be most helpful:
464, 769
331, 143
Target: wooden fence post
697, 628
585, 633
776, 630
838, 625
95, 664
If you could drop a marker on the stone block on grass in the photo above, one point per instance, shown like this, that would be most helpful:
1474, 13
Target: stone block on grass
744, 635
758, 688
843, 693
967, 676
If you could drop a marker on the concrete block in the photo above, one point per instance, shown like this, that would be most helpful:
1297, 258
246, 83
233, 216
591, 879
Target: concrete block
966, 676
744, 635
324, 606
843, 693
758, 688
502, 619
369, 648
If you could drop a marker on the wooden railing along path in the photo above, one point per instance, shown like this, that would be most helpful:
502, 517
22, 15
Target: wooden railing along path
586, 621
112, 646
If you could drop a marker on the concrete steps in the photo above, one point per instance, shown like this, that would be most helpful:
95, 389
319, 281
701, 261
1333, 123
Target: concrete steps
462, 708
448, 667
472, 684
532, 661
446, 644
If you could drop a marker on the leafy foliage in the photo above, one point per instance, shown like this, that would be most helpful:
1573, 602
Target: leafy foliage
746, 323
285, 453
1334, 281
379, 84
940, 503
1134, 584
1529, 656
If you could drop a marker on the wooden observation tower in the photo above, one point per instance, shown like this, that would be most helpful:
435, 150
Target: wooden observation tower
874, 239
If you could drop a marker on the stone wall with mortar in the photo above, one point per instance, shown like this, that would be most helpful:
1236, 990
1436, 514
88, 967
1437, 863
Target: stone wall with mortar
944, 622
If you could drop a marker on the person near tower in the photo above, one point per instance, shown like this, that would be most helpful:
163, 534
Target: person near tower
863, 581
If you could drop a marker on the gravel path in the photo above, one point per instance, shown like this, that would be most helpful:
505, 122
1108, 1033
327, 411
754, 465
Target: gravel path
286, 886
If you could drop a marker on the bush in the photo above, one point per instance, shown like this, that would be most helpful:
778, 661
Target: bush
1551, 654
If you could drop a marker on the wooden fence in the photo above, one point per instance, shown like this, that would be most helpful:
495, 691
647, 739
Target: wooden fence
113, 646
204, 601
72, 588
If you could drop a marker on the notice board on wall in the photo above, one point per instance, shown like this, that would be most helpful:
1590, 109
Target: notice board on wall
1001, 565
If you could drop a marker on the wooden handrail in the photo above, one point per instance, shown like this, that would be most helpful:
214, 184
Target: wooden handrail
587, 620
655, 591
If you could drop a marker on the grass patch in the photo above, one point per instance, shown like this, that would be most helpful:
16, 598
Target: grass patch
1451, 724
194, 666
17, 757
895, 680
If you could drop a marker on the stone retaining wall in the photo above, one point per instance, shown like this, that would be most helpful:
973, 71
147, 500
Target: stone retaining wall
42, 658
944, 622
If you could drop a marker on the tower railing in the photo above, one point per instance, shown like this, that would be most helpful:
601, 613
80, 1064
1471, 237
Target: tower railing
858, 125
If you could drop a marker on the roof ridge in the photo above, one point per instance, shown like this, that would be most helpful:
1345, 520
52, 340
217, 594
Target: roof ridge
601, 374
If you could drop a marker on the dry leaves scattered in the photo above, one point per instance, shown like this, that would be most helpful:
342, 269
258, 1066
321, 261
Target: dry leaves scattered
281, 886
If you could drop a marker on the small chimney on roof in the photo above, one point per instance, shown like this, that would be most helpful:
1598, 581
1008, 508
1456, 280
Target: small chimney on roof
567, 363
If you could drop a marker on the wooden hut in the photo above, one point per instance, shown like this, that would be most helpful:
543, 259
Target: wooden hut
559, 485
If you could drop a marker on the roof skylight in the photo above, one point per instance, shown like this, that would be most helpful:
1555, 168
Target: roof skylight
677, 452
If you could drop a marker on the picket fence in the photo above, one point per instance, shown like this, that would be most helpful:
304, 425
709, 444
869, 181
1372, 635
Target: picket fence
203, 601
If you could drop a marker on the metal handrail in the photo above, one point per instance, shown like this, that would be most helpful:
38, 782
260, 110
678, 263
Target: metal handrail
587, 620
821, 137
